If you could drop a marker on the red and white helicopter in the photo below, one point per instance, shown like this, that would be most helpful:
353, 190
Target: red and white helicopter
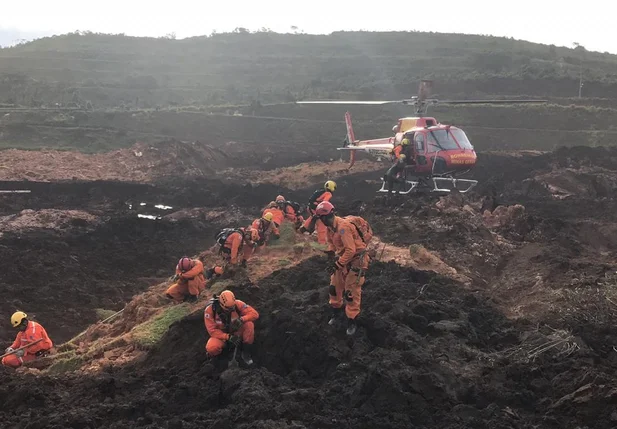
440, 152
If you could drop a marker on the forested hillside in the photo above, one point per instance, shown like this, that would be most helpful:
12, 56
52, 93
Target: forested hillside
95, 70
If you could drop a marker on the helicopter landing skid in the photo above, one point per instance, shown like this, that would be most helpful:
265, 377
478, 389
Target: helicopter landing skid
434, 184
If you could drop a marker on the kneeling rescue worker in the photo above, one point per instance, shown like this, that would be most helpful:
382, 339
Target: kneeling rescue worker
29, 333
229, 322
348, 265
190, 280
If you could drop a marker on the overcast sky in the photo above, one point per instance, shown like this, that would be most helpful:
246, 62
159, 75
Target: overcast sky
590, 23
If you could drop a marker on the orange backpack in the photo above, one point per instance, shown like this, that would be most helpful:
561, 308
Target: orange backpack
362, 226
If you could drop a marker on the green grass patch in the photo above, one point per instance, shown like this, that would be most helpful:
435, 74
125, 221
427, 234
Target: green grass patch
284, 262
102, 314
287, 238
149, 333
318, 246
66, 362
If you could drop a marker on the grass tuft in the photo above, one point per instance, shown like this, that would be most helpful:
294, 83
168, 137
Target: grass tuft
148, 334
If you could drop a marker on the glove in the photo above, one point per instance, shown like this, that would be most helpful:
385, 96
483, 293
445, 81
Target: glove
175, 277
209, 273
331, 254
41, 353
9, 350
236, 324
234, 339
20, 353
302, 230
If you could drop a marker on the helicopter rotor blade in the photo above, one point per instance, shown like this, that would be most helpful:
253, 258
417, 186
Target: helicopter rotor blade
379, 102
489, 101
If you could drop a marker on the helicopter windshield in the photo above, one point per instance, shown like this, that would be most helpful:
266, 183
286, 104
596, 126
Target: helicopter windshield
461, 138
440, 140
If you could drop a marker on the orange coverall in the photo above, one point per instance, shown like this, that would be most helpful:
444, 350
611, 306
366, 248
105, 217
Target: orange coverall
290, 215
231, 249
319, 225
192, 282
347, 282
277, 218
261, 231
219, 330
33, 332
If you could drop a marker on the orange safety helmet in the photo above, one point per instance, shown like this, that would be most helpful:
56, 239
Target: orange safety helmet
324, 208
185, 264
227, 299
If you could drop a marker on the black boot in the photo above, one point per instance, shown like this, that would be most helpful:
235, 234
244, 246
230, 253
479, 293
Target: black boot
351, 326
246, 354
336, 313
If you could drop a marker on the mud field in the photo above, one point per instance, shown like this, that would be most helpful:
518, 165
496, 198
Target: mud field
523, 339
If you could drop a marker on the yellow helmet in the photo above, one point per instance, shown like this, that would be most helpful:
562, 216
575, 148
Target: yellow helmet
330, 186
227, 299
267, 216
17, 318
405, 141
402, 157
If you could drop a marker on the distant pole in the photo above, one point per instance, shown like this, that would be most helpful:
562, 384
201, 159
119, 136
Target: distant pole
580, 80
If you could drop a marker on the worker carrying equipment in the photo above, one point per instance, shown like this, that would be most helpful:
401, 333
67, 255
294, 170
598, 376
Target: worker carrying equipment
29, 332
230, 322
313, 222
348, 265
190, 280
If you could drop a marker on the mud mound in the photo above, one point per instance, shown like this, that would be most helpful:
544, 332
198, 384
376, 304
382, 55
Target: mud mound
427, 354
140, 163
48, 219
62, 277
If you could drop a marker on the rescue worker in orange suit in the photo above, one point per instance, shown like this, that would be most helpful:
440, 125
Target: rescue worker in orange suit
291, 214
278, 216
29, 332
395, 174
348, 264
189, 280
262, 228
313, 221
230, 322
404, 148
236, 246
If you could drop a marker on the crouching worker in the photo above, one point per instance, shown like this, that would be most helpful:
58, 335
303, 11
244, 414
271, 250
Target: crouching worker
229, 322
190, 280
29, 333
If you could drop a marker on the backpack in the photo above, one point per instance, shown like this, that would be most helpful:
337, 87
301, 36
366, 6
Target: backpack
362, 227
313, 200
296, 207
223, 234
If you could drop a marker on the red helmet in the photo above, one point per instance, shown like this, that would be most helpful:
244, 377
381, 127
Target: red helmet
324, 208
185, 264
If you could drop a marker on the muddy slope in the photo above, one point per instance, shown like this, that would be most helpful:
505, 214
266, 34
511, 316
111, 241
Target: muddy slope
428, 354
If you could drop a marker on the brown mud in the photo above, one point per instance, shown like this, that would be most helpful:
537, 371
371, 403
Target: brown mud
526, 342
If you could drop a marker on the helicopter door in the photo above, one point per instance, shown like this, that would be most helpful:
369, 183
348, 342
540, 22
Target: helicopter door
420, 148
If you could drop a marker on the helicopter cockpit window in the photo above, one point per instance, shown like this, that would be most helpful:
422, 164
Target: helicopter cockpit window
461, 138
440, 140
419, 142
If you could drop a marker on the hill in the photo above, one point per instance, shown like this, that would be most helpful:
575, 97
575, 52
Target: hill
243, 67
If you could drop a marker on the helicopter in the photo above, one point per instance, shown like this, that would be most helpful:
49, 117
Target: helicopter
440, 152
